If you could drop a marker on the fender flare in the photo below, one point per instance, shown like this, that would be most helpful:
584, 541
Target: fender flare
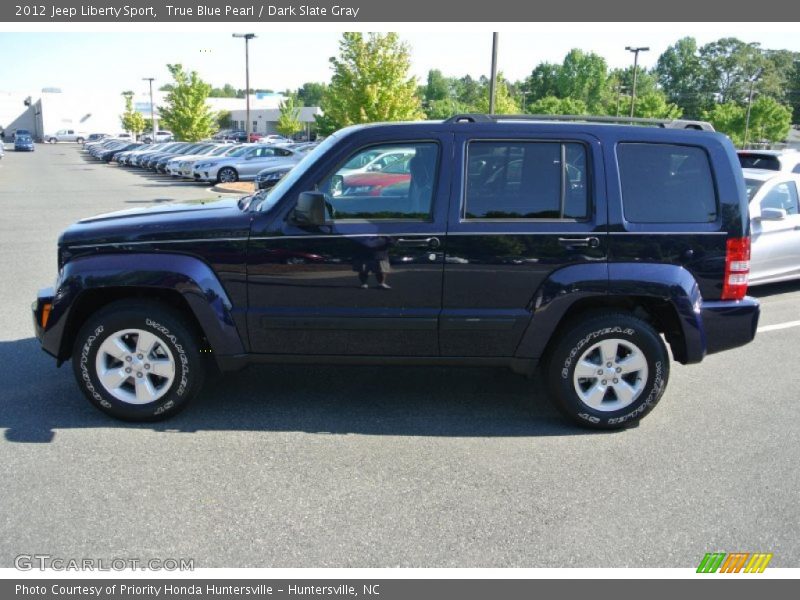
668, 283
188, 276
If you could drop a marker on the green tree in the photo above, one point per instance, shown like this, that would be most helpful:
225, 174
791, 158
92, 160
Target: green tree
438, 87
226, 91
551, 105
185, 111
680, 75
444, 109
728, 118
504, 103
654, 105
224, 120
132, 121
289, 119
311, 94
371, 81
770, 121
728, 64
543, 81
583, 76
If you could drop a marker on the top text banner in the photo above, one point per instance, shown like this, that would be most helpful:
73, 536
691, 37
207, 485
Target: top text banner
377, 11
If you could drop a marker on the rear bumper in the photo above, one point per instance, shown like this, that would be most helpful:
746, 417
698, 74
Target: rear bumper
729, 324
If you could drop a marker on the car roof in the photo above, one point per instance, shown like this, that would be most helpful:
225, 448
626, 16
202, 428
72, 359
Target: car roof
768, 174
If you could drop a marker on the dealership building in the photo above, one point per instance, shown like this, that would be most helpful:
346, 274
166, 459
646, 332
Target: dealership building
52, 109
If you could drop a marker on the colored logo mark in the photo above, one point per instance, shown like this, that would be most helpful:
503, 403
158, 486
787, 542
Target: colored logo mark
734, 562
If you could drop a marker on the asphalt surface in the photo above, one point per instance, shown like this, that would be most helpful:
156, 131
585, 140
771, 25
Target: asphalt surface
376, 467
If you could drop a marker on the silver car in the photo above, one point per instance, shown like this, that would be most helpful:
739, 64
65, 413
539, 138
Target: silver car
187, 163
246, 165
774, 225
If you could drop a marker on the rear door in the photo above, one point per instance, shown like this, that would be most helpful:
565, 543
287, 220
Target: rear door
528, 205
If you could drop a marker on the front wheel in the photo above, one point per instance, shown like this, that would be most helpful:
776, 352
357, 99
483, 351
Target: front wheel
79, 140
608, 372
227, 175
52, 140
137, 361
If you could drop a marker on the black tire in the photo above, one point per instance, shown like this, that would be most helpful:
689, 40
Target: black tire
231, 171
633, 337
175, 342
52, 140
79, 140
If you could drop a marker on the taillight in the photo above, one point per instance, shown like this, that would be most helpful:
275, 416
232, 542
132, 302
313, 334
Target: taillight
737, 268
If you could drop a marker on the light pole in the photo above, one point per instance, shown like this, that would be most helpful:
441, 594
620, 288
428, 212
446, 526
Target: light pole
620, 87
152, 108
524, 93
753, 80
247, 37
493, 80
635, 51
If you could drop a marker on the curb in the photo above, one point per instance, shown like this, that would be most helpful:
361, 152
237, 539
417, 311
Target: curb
235, 188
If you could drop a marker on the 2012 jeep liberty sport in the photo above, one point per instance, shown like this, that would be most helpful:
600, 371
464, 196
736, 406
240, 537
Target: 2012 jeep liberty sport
573, 251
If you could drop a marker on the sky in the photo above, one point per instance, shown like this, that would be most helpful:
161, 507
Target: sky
118, 60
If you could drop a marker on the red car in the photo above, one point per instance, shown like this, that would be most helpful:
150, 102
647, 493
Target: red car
372, 183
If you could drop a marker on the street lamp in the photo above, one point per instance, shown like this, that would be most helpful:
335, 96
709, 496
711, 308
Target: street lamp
247, 37
635, 50
152, 108
753, 80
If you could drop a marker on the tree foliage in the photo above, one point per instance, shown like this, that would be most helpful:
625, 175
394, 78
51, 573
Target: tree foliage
185, 111
132, 121
310, 94
370, 82
289, 119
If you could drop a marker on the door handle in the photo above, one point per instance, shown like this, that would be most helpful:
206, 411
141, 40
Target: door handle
587, 242
431, 242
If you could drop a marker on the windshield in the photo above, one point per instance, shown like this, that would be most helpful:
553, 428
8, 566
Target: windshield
220, 150
239, 150
753, 185
297, 172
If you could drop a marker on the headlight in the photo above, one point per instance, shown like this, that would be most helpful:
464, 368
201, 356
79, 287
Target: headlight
203, 165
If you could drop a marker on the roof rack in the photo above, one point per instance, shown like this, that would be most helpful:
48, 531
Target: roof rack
667, 123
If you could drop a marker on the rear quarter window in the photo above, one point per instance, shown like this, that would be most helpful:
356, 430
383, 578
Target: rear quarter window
666, 183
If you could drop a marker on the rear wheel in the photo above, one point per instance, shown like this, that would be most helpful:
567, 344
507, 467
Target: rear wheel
608, 372
79, 140
227, 175
137, 361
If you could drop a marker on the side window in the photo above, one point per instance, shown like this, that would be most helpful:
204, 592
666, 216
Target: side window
526, 180
796, 168
666, 183
391, 181
282, 152
783, 195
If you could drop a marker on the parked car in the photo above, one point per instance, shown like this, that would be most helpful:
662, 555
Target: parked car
596, 248
23, 143
22, 132
94, 137
2, 150
266, 179
374, 182
186, 163
244, 166
775, 223
772, 160
173, 165
232, 135
162, 135
65, 135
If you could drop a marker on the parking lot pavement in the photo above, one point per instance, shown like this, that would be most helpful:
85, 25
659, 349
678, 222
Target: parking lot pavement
374, 467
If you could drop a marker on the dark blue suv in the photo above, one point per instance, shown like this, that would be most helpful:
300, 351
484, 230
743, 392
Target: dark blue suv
571, 251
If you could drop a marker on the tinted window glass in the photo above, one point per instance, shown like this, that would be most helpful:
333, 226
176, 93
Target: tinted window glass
759, 161
385, 182
665, 183
526, 180
783, 195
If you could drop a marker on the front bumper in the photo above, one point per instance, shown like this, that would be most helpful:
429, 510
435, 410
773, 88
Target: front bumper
43, 324
729, 323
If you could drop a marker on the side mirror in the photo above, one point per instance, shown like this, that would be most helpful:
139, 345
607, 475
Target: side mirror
773, 214
310, 209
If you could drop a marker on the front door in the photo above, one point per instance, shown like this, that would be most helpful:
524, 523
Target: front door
368, 283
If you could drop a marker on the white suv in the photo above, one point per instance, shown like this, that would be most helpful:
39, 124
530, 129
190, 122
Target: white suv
787, 161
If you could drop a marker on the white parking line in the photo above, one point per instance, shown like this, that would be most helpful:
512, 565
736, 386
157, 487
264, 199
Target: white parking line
777, 326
